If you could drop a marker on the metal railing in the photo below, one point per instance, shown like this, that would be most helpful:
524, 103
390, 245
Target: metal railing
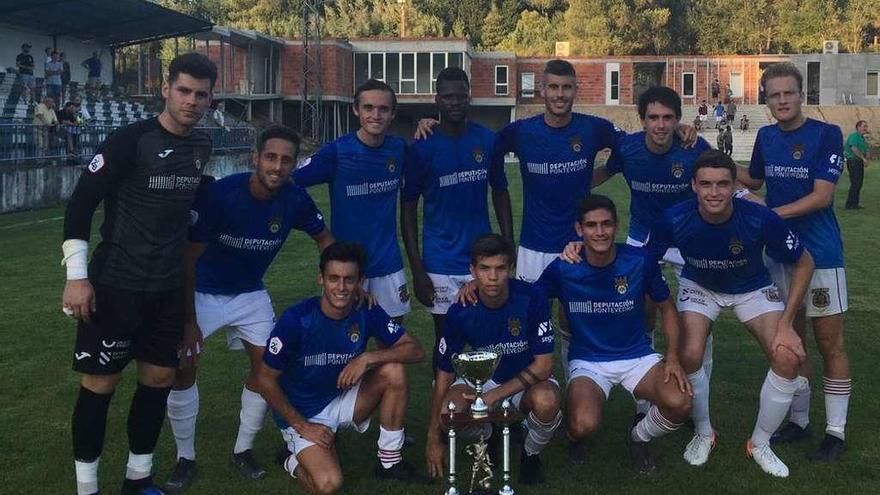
23, 143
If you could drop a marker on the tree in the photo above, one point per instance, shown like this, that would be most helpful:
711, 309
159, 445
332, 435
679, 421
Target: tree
273, 17
534, 35
618, 27
493, 29
857, 20
387, 15
804, 24
350, 19
460, 18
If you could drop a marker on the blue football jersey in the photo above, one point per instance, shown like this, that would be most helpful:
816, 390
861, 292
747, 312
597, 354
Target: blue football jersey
363, 184
605, 306
789, 162
727, 257
557, 172
244, 234
656, 181
453, 175
311, 350
520, 330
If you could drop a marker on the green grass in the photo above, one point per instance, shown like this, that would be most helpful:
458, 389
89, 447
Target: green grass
38, 388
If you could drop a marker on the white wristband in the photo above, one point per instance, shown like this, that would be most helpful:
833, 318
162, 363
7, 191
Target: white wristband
76, 254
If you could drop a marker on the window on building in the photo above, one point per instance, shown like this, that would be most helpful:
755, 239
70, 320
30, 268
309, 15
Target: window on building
527, 83
423, 73
438, 63
361, 68
377, 66
612, 83
455, 59
392, 71
501, 86
873, 87
688, 84
407, 73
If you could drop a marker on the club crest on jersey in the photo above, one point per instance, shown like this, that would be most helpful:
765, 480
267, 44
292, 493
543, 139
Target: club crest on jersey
736, 246
621, 285
576, 144
821, 298
478, 154
514, 326
403, 293
392, 165
275, 225
797, 151
354, 333
677, 170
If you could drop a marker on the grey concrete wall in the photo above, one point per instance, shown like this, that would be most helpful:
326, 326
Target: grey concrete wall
842, 77
26, 187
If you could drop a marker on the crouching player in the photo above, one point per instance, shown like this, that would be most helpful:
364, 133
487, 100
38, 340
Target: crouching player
320, 377
514, 316
722, 240
603, 295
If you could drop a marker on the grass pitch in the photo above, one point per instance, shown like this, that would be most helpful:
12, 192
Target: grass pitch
38, 388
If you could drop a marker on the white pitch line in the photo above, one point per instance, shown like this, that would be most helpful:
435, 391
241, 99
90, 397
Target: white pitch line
27, 224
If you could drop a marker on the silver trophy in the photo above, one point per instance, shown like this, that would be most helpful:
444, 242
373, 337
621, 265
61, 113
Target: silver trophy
477, 367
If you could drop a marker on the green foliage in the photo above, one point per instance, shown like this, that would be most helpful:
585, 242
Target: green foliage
493, 29
534, 35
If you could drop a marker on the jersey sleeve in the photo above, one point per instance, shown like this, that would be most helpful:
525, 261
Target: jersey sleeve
611, 138
318, 168
451, 340
281, 348
114, 160
756, 164
550, 280
308, 217
782, 244
497, 177
541, 339
661, 239
505, 142
655, 283
415, 174
829, 163
205, 214
382, 327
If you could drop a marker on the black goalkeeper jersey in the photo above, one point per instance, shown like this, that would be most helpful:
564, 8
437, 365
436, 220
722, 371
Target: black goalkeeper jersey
147, 178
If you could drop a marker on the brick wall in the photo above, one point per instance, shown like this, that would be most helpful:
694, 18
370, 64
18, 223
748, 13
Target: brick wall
337, 71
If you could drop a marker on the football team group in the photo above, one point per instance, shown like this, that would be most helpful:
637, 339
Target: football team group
182, 256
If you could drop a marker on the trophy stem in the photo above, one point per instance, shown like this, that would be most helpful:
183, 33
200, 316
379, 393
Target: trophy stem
479, 408
452, 490
506, 489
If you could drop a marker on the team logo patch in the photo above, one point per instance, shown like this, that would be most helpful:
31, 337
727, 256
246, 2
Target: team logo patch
620, 285
821, 298
677, 170
772, 294
441, 347
736, 246
478, 154
393, 327
576, 144
275, 225
797, 151
514, 326
97, 163
392, 165
275, 345
544, 327
403, 293
354, 333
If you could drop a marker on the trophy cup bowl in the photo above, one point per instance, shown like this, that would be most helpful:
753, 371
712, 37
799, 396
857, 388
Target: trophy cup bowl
477, 367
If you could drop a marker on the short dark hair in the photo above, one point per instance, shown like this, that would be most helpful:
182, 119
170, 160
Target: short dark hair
596, 202
277, 131
344, 252
489, 245
192, 64
662, 95
859, 123
373, 85
782, 69
559, 67
712, 158
453, 74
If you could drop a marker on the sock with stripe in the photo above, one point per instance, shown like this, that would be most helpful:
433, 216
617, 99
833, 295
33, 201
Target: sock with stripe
540, 433
653, 425
800, 404
390, 447
837, 392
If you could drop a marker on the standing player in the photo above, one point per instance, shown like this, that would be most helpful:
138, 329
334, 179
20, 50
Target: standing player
801, 160
130, 300
603, 297
239, 224
452, 170
363, 170
318, 376
722, 240
514, 316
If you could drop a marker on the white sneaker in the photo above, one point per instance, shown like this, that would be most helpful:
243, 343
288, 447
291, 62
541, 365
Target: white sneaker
768, 461
697, 451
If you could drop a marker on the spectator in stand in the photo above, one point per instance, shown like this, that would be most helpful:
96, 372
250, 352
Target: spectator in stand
728, 141
84, 114
65, 75
71, 128
45, 122
719, 115
93, 65
856, 153
731, 111
716, 89
698, 124
53, 77
48, 52
728, 92
703, 113
744, 123
24, 62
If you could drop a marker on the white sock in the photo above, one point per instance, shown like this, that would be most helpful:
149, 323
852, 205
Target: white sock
700, 411
707, 356
800, 403
776, 394
183, 408
653, 425
253, 410
837, 392
86, 476
540, 433
139, 466
390, 447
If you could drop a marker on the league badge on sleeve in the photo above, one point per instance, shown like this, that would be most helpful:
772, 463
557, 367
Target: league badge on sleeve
513, 325
275, 345
354, 333
97, 163
621, 285
576, 144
